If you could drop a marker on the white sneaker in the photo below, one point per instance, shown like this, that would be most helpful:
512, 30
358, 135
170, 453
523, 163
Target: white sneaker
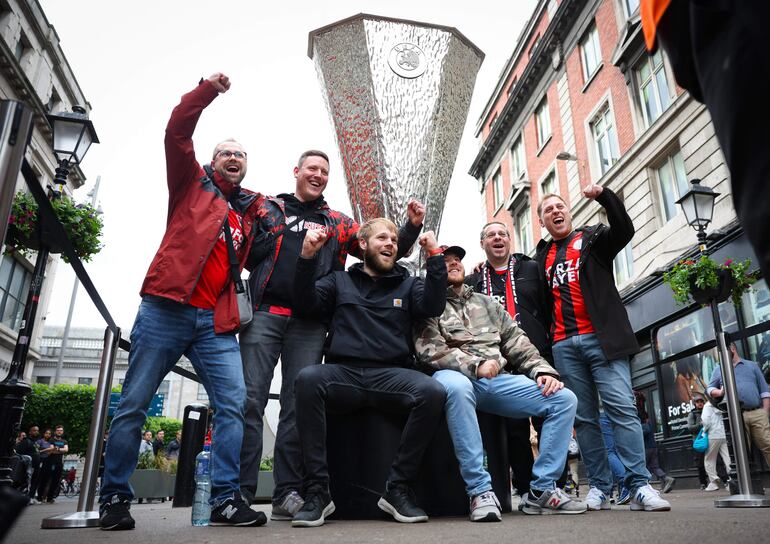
648, 499
596, 500
712, 487
485, 507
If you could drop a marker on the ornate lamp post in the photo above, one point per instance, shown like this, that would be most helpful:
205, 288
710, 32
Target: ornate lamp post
73, 134
698, 207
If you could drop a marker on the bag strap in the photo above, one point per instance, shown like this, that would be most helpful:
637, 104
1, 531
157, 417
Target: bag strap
234, 265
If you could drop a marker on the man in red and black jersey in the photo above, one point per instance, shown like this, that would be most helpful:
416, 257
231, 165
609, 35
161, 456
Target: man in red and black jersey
514, 280
592, 340
277, 331
189, 307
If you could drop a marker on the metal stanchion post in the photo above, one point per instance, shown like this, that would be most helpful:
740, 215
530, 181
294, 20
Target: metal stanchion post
745, 498
194, 427
85, 516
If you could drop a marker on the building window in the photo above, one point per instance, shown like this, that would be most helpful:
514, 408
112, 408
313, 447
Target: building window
511, 87
623, 265
672, 179
46, 380
497, 189
14, 284
543, 122
493, 121
653, 88
202, 395
605, 139
590, 53
518, 160
535, 43
85, 381
523, 226
631, 7
549, 185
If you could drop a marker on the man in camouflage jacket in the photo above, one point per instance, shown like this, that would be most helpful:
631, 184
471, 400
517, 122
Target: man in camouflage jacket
485, 362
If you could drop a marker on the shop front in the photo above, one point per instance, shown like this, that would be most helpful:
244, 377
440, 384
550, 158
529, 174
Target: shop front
679, 353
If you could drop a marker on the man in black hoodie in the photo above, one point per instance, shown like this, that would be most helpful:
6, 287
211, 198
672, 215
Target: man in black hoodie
369, 360
277, 331
514, 280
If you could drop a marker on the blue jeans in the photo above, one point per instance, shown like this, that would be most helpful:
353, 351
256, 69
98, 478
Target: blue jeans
299, 343
164, 331
616, 467
507, 395
586, 371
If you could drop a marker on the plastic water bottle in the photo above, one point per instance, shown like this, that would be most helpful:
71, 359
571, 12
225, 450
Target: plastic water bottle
201, 510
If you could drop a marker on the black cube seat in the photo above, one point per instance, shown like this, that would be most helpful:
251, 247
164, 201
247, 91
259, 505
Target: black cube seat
361, 446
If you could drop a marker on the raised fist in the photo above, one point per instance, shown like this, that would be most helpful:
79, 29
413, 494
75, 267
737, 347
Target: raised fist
314, 239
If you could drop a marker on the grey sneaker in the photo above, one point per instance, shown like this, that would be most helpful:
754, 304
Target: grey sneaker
552, 501
668, 483
290, 505
485, 507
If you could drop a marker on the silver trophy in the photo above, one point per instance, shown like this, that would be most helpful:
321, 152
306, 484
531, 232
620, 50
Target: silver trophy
398, 94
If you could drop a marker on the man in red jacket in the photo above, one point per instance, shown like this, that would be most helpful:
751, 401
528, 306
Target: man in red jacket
189, 308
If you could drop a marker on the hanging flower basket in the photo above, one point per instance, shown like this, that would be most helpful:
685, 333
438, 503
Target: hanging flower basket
704, 279
25, 232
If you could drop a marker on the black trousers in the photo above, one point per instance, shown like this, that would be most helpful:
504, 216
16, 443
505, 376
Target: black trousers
520, 456
340, 389
718, 50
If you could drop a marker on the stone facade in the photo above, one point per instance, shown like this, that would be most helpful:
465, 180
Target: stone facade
33, 70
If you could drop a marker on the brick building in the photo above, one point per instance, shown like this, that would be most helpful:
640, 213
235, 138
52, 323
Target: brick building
580, 101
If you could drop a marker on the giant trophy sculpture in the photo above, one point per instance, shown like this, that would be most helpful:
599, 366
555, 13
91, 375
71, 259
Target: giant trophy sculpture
398, 94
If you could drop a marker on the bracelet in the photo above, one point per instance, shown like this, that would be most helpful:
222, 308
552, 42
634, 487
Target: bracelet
434, 252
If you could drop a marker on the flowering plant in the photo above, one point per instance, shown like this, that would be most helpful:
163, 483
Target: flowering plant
703, 274
81, 222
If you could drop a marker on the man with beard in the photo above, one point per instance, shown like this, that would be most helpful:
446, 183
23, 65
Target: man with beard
189, 307
467, 350
371, 308
514, 280
277, 331
592, 339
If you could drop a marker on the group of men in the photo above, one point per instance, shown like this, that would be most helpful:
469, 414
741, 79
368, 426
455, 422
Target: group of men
46, 461
488, 345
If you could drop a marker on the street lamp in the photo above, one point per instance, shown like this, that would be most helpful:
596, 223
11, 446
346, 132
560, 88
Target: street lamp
698, 207
73, 134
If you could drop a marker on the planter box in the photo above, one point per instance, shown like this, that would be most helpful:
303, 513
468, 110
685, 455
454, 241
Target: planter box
152, 484
265, 486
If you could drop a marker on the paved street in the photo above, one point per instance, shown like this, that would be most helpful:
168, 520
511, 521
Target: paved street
693, 519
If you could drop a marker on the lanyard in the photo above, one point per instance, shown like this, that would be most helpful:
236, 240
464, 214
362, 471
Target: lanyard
510, 288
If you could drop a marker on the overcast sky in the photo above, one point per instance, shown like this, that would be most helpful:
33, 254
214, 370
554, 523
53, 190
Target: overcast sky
135, 60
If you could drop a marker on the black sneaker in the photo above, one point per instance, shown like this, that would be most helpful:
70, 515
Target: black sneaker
114, 515
235, 512
399, 502
318, 505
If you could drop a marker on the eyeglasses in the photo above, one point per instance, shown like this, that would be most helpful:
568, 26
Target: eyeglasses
490, 235
226, 154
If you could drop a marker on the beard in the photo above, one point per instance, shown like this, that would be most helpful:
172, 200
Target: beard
375, 261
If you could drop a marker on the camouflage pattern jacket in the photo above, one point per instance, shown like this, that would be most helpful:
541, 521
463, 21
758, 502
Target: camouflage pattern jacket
474, 329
